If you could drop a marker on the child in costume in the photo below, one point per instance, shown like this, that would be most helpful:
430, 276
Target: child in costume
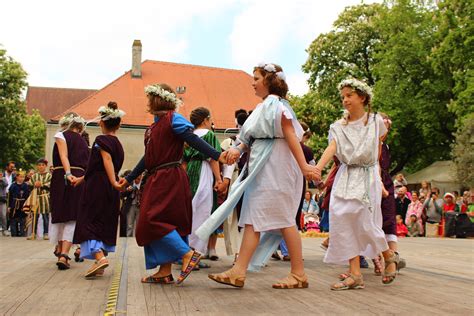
96, 227
165, 218
70, 156
17, 195
204, 176
41, 182
272, 188
355, 208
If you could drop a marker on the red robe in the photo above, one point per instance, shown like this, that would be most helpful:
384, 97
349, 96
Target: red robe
166, 200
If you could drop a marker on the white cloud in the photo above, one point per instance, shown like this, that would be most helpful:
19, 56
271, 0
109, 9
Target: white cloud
264, 31
88, 43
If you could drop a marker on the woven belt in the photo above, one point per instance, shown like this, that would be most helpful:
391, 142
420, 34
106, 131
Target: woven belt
72, 168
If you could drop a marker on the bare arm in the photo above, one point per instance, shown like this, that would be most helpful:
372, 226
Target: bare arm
295, 147
329, 152
293, 142
63, 155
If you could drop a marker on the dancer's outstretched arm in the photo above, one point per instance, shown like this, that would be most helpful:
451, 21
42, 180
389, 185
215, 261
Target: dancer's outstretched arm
327, 155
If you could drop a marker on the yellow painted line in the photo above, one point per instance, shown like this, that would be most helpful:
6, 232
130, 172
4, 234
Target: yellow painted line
114, 291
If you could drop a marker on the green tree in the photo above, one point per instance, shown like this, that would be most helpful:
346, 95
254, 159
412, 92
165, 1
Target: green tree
22, 136
409, 89
453, 55
463, 150
349, 50
318, 114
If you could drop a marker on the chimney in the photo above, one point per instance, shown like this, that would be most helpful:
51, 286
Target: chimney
137, 59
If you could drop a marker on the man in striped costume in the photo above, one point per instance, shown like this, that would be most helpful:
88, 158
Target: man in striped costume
41, 181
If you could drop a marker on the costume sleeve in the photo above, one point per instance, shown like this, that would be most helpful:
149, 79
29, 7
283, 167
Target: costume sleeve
200, 145
381, 126
180, 124
103, 143
47, 181
138, 170
60, 135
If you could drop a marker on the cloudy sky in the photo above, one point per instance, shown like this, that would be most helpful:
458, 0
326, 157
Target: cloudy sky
87, 44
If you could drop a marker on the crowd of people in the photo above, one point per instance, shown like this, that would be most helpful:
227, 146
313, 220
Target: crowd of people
252, 187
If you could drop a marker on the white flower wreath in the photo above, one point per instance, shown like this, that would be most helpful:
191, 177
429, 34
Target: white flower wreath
69, 119
356, 85
271, 68
162, 93
107, 113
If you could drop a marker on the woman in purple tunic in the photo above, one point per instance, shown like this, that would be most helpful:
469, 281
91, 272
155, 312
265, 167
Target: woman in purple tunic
97, 223
70, 155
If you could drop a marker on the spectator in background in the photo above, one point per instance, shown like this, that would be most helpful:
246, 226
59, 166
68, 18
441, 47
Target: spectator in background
17, 195
425, 189
9, 173
449, 205
3, 205
465, 202
402, 202
457, 198
413, 226
402, 230
399, 182
415, 209
433, 207
470, 206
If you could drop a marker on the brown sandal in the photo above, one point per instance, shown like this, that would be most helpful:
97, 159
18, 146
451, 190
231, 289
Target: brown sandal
63, 265
344, 276
389, 277
377, 266
101, 264
358, 283
292, 281
228, 278
167, 279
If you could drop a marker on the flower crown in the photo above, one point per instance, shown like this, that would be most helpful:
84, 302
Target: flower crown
272, 68
69, 119
107, 113
156, 90
356, 85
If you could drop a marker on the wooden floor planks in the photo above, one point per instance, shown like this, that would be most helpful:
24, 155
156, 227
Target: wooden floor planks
439, 280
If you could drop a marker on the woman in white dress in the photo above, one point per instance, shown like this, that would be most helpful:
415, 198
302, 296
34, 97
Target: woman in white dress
276, 166
356, 217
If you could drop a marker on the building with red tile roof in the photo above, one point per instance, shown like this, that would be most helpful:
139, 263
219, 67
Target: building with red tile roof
222, 91
51, 102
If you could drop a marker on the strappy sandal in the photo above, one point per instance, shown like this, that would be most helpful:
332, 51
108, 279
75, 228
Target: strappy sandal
377, 266
358, 283
228, 278
101, 264
292, 281
325, 244
194, 261
56, 252
344, 276
389, 277
77, 255
63, 265
168, 279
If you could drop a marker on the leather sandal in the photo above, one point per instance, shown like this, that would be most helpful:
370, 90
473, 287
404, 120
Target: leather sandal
228, 278
344, 276
63, 265
292, 281
167, 279
356, 284
77, 255
377, 266
101, 264
194, 261
389, 277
